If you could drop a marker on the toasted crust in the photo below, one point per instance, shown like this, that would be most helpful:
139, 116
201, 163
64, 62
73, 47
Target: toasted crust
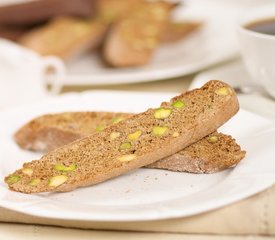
98, 157
65, 36
176, 31
133, 39
52, 131
29, 13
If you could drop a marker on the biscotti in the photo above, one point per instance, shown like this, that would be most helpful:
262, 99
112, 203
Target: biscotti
176, 31
133, 39
213, 153
65, 37
29, 13
133, 143
51, 131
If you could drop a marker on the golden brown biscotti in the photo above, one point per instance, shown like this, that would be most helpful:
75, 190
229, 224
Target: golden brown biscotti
51, 131
112, 10
133, 143
213, 153
133, 39
176, 31
65, 37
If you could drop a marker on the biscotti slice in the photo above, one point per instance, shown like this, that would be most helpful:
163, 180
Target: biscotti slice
112, 10
213, 153
133, 143
51, 131
176, 31
65, 37
133, 40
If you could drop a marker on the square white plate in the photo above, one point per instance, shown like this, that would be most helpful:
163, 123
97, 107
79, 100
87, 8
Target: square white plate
143, 194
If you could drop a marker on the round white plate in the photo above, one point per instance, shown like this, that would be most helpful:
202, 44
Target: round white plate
216, 41
143, 194
213, 43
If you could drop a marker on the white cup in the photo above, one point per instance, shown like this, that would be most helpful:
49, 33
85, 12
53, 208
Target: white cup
23, 74
258, 49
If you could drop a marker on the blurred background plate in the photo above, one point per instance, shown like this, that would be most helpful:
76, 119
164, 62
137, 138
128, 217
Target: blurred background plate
213, 43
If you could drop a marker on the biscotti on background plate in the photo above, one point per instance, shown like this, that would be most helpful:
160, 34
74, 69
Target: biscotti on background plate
160, 133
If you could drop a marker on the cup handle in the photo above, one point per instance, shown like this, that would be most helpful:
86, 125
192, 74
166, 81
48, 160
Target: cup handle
54, 72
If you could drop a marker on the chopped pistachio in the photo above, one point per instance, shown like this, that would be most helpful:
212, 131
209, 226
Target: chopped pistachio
100, 128
61, 167
223, 91
13, 179
117, 120
125, 145
213, 139
126, 158
162, 113
114, 135
135, 135
34, 182
57, 180
178, 104
159, 131
175, 134
27, 171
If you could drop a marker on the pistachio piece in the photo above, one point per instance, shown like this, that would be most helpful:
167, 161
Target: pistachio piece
61, 167
178, 104
126, 158
114, 135
125, 145
57, 180
213, 139
34, 182
13, 179
134, 136
175, 134
223, 91
162, 113
159, 131
27, 171
117, 120
100, 128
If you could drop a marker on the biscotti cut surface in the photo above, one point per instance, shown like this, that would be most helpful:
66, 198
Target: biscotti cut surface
51, 131
213, 153
133, 143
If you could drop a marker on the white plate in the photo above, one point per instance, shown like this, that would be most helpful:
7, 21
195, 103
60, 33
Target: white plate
215, 42
143, 194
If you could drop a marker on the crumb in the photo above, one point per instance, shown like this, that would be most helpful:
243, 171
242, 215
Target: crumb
128, 191
156, 178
